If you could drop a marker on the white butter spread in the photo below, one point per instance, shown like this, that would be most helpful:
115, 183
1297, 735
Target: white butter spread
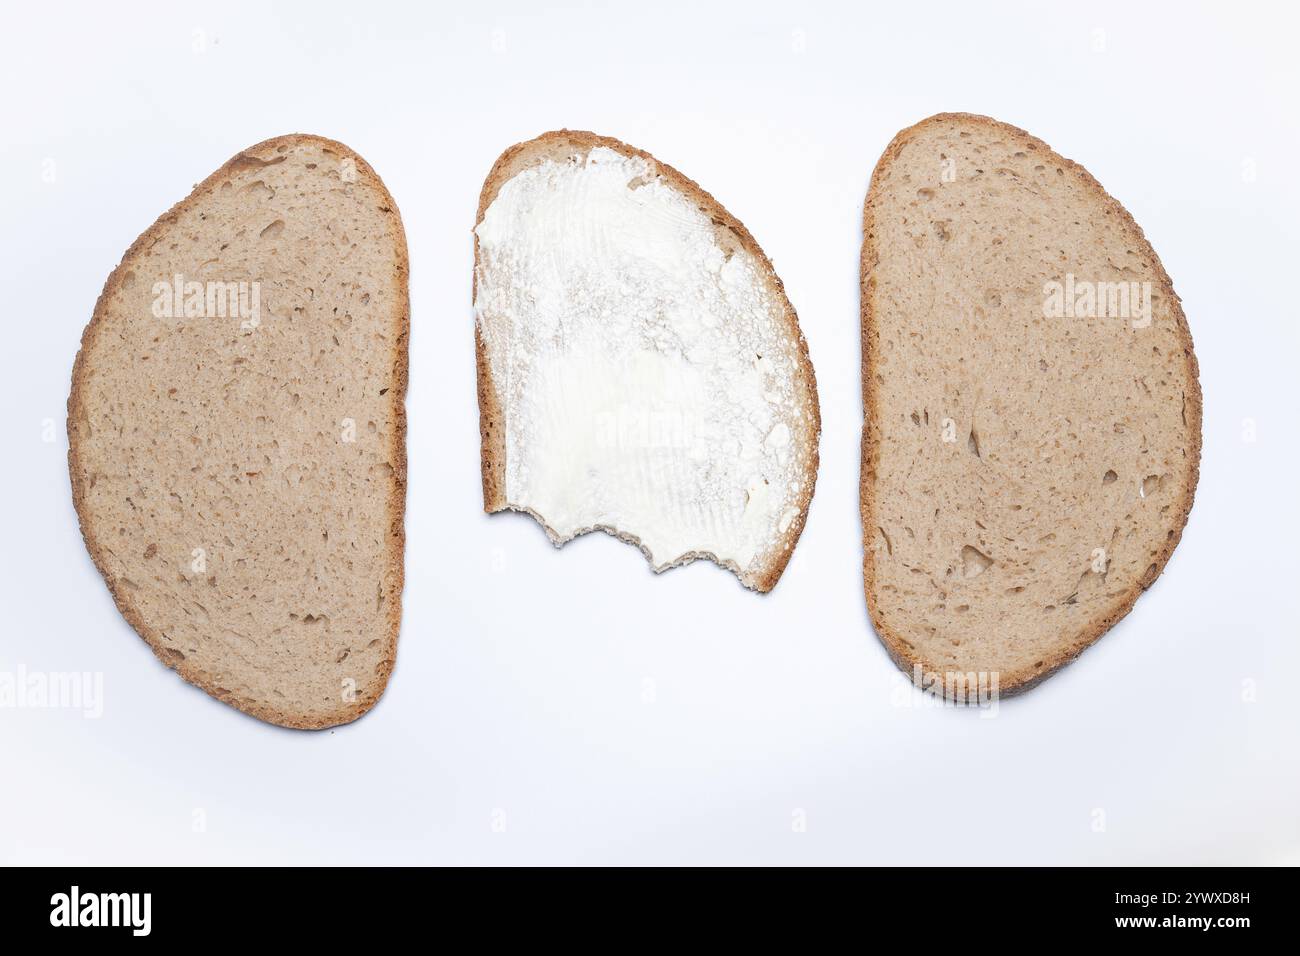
646, 376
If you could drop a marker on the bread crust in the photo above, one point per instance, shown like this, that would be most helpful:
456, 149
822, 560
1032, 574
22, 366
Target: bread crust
561, 144
348, 712
1019, 681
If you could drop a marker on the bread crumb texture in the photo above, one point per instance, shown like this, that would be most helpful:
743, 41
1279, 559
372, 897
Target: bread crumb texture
1032, 432
643, 360
237, 433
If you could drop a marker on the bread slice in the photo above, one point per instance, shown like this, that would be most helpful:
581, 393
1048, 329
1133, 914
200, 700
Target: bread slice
237, 435
1029, 460
640, 370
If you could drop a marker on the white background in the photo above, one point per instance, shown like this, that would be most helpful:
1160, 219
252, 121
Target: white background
520, 694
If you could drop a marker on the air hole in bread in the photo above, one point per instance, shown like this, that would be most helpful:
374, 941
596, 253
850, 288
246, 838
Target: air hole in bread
1151, 484
974, 562
245, 161
258, 190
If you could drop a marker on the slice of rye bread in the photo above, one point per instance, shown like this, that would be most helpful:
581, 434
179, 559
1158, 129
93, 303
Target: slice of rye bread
663, 474
241, 481
1024, 476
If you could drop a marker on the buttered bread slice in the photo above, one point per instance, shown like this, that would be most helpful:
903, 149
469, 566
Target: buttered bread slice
640, 369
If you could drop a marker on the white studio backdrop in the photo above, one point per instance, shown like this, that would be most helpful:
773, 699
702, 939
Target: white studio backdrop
570, 706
